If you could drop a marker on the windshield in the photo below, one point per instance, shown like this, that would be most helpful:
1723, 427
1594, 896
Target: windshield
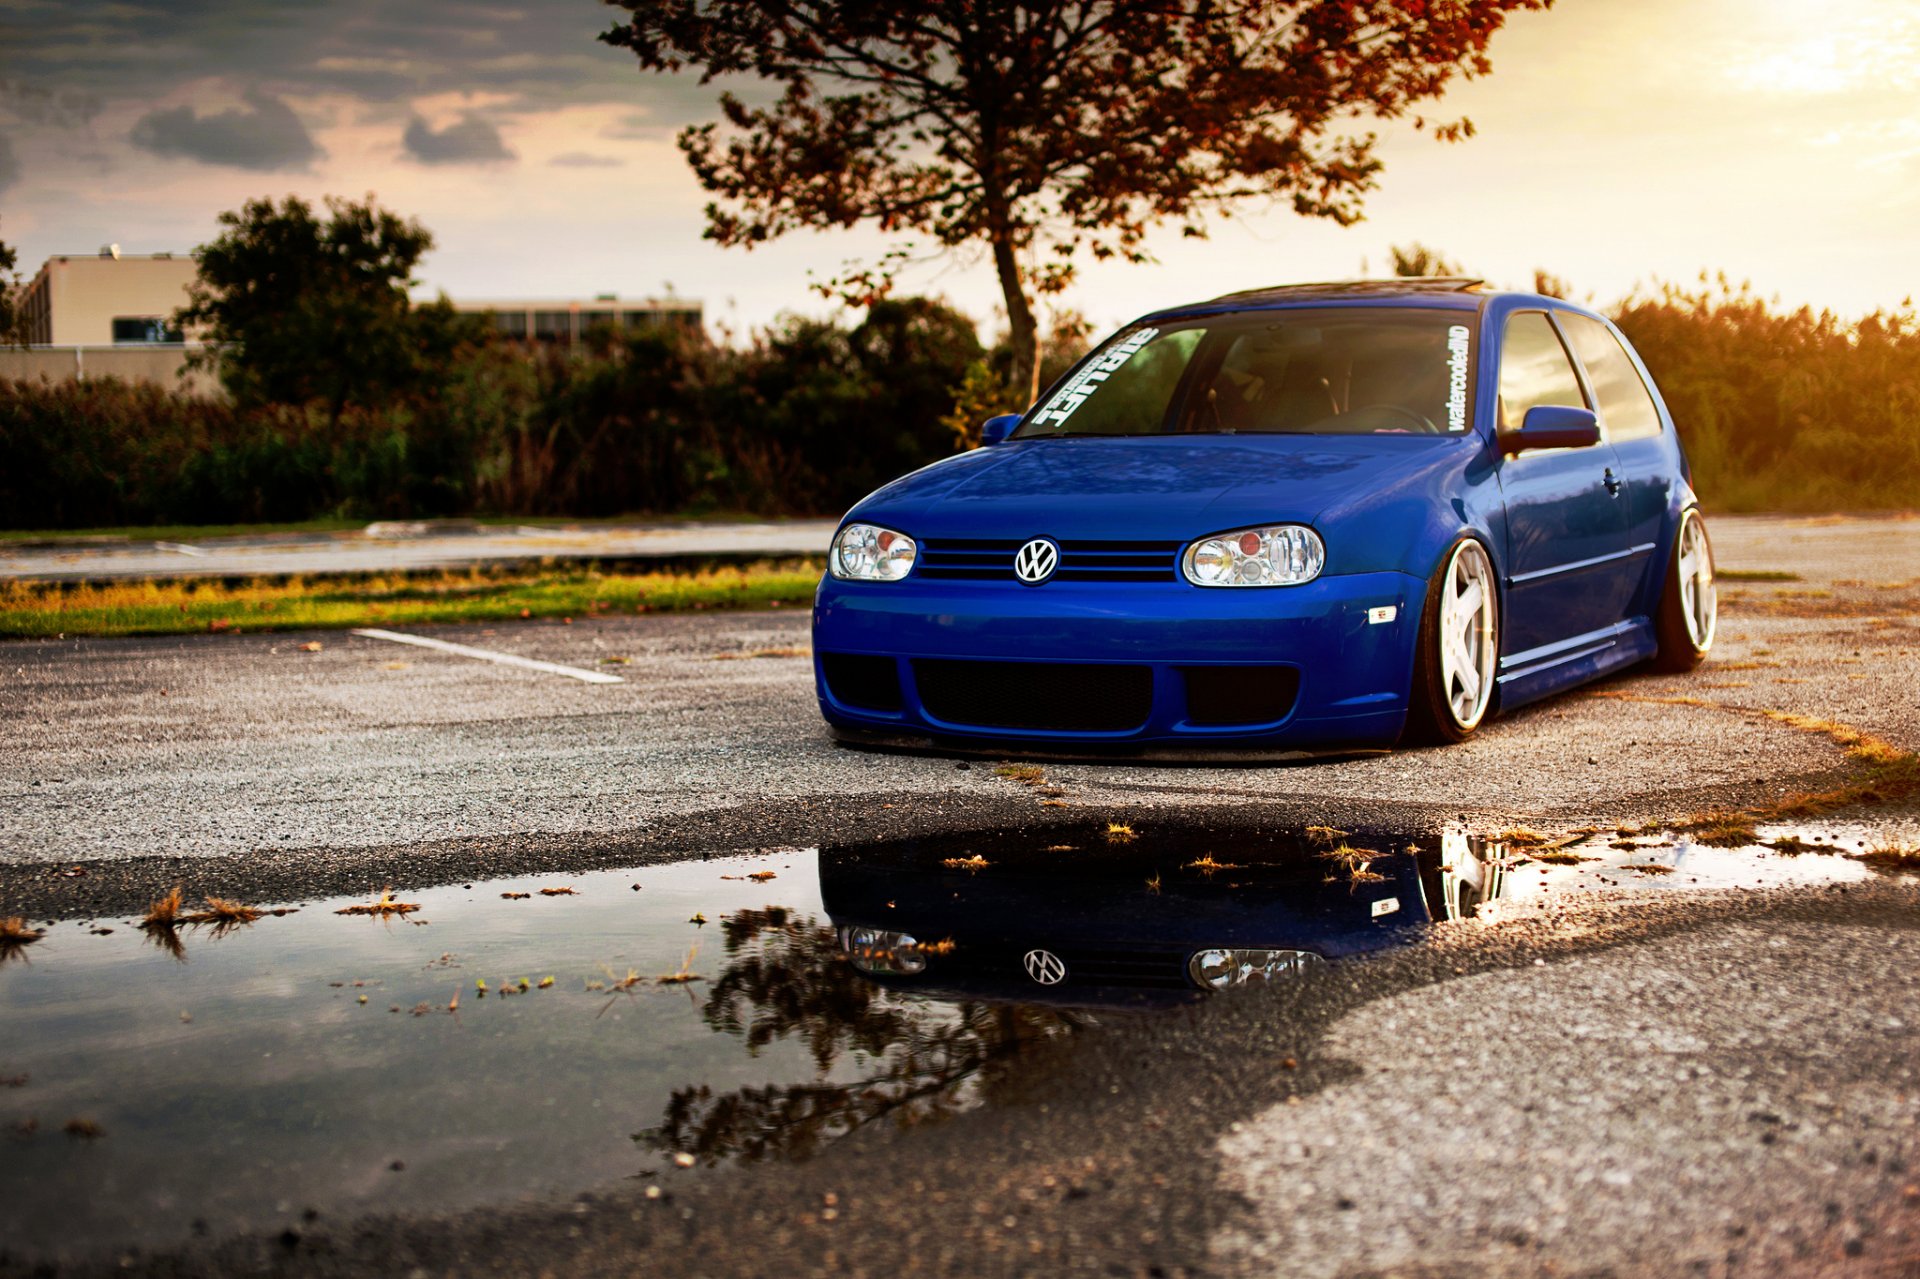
1323, 371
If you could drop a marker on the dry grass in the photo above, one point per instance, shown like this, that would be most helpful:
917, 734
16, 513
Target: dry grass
1521, 837
1559, 857
383, 906
1721, 829
974, 862
558, 892
762, 652
1892, 857
221, 911
1327, 836
683, 974
1119, 833
1207, 865
15, 936
1648, 868
164, 913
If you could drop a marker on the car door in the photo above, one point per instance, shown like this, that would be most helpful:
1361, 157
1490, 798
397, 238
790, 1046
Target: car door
1567, 562
1633, 430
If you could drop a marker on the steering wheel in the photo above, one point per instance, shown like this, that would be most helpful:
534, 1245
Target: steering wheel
1416, 421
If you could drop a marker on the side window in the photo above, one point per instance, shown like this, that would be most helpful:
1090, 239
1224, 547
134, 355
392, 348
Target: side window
1534, 369
1625, 404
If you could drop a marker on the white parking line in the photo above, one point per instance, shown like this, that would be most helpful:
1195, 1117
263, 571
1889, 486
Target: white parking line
178, 548
488, 655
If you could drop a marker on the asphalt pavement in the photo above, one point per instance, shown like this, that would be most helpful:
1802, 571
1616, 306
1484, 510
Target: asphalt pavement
1586, 1087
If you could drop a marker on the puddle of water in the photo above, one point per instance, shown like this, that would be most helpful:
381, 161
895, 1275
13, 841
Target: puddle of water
245, 1084
283, 1094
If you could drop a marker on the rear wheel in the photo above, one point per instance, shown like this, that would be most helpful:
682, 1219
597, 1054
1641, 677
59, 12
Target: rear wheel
1689, 605
1458, 647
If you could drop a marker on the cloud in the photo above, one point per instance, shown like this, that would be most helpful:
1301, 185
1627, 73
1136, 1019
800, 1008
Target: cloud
264, 135
9, 163
470, 140
586, 160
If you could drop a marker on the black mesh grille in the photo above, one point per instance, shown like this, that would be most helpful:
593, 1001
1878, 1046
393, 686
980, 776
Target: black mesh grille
1221, 695
991, 560
870, 683
1057, 696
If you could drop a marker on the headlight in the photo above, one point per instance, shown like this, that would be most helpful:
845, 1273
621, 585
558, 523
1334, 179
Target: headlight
1283, 555
867, 553
883, 952
1220, 968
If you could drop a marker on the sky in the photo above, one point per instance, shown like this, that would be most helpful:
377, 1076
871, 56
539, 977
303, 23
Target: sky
1620, 143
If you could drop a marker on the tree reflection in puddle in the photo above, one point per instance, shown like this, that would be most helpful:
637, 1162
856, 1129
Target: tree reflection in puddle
786, 978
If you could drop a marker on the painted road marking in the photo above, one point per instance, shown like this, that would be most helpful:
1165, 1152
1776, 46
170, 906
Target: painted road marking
178, 548
488, 655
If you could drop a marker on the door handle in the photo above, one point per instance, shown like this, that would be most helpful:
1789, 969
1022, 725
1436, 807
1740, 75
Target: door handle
1612, 482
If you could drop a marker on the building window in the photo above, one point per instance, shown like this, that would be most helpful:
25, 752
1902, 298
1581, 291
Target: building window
137, 330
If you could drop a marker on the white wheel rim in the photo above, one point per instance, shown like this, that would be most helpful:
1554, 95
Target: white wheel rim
1468, 652
1699, 602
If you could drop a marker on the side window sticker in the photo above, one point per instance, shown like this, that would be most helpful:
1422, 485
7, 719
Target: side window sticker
1088, 380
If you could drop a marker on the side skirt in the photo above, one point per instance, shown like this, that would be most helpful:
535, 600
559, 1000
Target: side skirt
1542, 672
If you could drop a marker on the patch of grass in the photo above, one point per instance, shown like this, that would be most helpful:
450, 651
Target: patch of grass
15, 936
37, 609
975, 862
1521, 837
1208, 865
1560, 857
1722, 829
1755, 575
1793, 846
1119, 833
1326, 835
384, 905
1648, 868
1904, 858
164, 913
762, 652
221, 911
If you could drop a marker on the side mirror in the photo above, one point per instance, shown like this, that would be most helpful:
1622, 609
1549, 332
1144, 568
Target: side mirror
996, 429
1553, 426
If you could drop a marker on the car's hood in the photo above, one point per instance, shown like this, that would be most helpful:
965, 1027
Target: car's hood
1146, 488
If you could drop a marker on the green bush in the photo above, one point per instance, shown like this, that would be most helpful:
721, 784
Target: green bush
1785, 411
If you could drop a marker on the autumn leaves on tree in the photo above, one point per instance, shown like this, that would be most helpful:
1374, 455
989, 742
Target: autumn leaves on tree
1039, 131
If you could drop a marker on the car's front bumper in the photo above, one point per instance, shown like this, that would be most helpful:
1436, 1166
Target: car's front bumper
1170, 648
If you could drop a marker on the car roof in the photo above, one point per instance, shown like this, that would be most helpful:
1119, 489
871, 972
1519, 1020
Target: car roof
1339, 290
1443, 292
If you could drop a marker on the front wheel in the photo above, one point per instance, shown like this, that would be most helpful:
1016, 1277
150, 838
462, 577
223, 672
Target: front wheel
1683, 625
1458, 648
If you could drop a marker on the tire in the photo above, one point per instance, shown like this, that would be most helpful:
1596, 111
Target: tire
1689, 609
1453, 682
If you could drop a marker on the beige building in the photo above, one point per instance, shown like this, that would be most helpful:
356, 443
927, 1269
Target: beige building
107, 300
568, 320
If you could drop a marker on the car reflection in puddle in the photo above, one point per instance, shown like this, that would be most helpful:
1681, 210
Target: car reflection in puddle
1104, 916
1112, 918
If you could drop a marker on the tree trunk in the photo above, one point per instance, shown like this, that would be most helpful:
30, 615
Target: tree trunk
1021, 331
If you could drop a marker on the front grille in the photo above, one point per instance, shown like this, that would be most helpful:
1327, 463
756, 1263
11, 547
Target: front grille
1218, 696
991, 560
869, 683
1055, 696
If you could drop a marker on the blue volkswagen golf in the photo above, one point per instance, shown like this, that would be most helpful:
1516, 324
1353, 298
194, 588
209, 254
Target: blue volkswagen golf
1310, 517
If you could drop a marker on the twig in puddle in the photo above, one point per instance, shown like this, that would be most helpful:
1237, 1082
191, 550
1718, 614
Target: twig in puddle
383, 905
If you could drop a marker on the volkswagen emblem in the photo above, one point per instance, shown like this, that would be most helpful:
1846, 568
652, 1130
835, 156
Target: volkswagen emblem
1036, 561
1045, 967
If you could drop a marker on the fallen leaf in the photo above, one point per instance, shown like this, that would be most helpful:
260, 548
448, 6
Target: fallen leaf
311, 646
